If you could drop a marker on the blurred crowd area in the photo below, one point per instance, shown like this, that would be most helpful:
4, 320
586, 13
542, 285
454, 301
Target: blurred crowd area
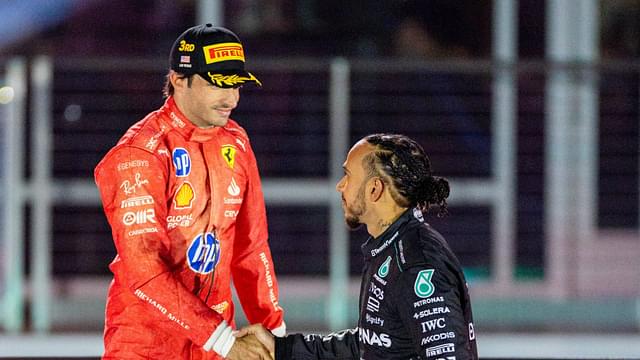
91, 109
423, 29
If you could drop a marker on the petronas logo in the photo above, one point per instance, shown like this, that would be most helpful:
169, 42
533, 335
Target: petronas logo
383, 271
424, 287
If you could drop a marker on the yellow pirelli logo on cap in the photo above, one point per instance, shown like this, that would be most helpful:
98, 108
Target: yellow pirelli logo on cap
223, 52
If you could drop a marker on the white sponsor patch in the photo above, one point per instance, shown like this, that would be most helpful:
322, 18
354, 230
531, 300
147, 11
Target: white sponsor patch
441, 349
139, 217
136, 201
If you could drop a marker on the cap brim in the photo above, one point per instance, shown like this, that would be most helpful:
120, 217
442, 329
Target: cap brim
231, 80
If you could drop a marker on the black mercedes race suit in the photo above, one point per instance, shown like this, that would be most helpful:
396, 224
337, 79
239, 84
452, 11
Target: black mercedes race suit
414, 303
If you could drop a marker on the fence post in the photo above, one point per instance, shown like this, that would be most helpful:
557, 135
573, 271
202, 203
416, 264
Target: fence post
13, 200
41, 193
337, 309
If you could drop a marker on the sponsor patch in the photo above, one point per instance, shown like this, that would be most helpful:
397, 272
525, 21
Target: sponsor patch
441, 349
231, 213
132, 164
370, 337
220, 308
438, 337
375, 290
136, 201
184, 196
181, 161
269, 280
142, 231
374, 320
430, 312
428, 301
386, 244
174, 221
373, 304
233, 189
223, 52
176, 120
423, 286
131, 187
229, 155
430, 325
204, 253
241, 143
139, 217
383, 270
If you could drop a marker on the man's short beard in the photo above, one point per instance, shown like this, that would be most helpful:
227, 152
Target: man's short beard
352, 214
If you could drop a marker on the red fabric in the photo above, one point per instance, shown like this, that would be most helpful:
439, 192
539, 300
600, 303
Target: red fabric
168, 189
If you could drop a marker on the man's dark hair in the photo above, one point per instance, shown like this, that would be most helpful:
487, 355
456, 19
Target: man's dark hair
168, 89
402, 162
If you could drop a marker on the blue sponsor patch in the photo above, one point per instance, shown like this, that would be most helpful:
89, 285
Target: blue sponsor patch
204, 253
182, 162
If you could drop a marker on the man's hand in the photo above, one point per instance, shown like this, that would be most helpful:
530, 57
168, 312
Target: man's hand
262, 334
248, 347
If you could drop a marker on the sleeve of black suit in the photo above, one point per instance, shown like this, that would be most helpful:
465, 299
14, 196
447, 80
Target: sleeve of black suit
342, 345
431, 303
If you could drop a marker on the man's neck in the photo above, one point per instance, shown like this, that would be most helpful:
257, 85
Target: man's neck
385, 218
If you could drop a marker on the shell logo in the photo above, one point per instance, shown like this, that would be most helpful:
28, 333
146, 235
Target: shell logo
184, 196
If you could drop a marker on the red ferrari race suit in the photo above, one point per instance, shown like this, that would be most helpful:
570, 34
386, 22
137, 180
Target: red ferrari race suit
187, 214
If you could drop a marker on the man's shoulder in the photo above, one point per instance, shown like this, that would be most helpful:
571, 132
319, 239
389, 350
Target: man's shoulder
420, 244
146, 134
234, 128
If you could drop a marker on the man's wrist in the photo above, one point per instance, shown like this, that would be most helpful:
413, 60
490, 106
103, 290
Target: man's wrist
280, 331
221, 340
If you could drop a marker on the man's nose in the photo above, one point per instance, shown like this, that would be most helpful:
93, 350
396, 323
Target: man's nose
231, 97
339, 185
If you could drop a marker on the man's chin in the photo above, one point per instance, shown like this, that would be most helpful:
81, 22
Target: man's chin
353, 224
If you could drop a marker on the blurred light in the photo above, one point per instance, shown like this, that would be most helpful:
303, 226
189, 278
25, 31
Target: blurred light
73, 112
6, 94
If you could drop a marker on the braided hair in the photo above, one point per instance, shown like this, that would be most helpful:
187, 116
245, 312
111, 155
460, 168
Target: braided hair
402, 162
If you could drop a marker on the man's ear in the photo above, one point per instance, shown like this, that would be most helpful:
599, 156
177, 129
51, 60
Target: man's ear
377, 189
176, 80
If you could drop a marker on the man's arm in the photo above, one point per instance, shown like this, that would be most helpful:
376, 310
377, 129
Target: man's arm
342, 345
427, 299
252, 268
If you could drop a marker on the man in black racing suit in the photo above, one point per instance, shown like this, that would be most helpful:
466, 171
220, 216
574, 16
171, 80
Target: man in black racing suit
414, 301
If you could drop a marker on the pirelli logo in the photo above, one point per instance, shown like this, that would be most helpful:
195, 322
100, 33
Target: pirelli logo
223, 52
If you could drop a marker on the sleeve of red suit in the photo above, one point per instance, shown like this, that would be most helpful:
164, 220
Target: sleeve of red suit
252, 268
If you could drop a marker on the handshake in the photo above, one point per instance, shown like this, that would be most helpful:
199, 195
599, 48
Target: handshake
253, 342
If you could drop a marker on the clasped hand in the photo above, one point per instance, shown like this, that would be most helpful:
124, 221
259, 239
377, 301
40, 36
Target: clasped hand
253, 342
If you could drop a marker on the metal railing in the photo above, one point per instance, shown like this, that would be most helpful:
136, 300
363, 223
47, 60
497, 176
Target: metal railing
41, 191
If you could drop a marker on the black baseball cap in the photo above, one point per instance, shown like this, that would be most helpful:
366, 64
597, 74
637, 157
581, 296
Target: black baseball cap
214, 53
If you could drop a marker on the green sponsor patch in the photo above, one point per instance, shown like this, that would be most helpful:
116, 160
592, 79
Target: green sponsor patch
423, 286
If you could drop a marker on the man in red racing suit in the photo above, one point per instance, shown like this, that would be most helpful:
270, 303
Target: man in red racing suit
187, 213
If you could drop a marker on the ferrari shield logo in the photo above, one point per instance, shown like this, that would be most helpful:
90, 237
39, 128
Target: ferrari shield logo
229, 155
